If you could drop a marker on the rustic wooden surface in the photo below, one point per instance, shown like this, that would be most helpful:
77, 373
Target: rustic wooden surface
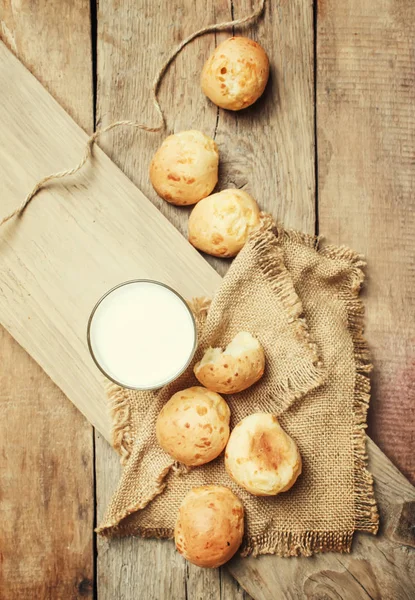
47, 485
53, 40
46, 445
124, 568
366, 145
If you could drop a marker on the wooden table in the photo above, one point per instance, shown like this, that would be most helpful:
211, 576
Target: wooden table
329, 149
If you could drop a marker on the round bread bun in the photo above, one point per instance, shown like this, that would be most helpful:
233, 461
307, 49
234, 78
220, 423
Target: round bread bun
261, 457
220, 224
193, 426
236, 74
238, 367
209, 526
185, 167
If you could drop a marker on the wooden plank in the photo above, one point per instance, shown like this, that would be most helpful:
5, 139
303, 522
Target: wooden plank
47, 504
46, 472
53, 40
57, 260
264, 165
268, 149
46, 444
378, 567
229, 587
366, 145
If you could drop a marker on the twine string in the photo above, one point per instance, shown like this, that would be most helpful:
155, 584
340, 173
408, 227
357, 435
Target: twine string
125, 123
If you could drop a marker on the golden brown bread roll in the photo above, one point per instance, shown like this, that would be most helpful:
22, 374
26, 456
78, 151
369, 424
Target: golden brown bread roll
221, 223
209, 526
193, 426
236, 74
239, 366
185, 167
261, 457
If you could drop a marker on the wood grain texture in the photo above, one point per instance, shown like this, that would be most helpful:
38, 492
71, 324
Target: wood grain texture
366, 145
47, 491
53, 41
46, 472
65, 253
378, 568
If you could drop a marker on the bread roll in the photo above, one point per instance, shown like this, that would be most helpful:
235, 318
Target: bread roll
221, 223
209, 526
185, 167
193, 426
261, 457
239, 366
236, 74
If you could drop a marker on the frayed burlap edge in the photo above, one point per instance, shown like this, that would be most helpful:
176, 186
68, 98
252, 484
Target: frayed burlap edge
120, 414
366, 511
312, 375
114, 526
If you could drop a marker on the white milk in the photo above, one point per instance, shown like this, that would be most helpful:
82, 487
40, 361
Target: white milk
142, 335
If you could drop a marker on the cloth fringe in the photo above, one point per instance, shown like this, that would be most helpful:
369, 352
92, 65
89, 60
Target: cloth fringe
199, 307
285, 543
313, 374
282, 543
119, 406
366, 512
113, 526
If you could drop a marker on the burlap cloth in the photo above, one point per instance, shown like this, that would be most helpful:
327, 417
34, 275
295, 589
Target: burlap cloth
302, 303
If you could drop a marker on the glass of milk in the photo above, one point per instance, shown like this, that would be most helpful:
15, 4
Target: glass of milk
142, 334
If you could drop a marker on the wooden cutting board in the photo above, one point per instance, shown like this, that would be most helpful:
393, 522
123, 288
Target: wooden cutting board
77, 239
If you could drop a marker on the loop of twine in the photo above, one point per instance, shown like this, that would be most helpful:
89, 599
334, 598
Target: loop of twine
155, 87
